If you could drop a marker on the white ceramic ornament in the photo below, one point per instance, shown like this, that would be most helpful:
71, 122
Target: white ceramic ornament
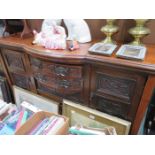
78, 29
52, 36
48, 23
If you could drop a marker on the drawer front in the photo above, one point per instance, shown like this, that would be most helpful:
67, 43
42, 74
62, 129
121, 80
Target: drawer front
111, 107
56, 69
41, 66
44, 78
66, 87
42, 87
70, 89
21, 81
62, 89
15, 60
68, 71
61, 86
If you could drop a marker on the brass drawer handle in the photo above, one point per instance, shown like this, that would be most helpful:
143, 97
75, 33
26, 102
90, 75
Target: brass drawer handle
61, 71
64, 84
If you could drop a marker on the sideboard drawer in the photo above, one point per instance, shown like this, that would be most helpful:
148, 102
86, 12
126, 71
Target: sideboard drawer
41, 66
44, 78
66, 87
56, 69
68, 71
44, 88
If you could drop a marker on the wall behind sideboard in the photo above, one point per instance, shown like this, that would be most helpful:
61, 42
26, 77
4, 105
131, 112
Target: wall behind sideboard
96, 24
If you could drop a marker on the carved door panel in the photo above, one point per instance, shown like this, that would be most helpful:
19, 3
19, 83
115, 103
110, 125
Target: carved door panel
17, 65
21, 81
14, 60
116, 91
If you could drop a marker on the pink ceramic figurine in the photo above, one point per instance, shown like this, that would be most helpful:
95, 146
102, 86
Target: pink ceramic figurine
52, 36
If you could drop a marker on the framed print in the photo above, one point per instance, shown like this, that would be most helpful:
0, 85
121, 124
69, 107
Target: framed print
101, 48
43, 103
85, 116
5, 93
132, 52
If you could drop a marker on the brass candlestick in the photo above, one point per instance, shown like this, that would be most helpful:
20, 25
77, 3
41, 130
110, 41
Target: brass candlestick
109, 30
139, 31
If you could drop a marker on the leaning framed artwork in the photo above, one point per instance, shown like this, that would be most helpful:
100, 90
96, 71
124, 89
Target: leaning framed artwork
42, 103
85, 116
5, 93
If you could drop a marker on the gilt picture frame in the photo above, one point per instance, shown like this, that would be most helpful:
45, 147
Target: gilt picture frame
103, 49
39, 101
81, 115
132, 52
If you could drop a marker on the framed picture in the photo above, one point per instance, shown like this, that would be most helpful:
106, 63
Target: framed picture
101, 48
5, 93
43, 103
85, 116
132, 52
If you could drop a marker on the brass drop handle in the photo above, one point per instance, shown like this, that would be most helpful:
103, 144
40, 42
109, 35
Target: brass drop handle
61, 71
64, 83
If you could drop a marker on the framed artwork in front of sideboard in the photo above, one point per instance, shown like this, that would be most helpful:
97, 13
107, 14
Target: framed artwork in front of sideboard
81, 115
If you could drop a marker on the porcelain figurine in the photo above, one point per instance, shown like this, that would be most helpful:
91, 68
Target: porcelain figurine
52, 36
78, 28
58, 40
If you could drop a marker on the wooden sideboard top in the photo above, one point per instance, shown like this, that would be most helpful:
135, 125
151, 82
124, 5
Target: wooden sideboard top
81, 55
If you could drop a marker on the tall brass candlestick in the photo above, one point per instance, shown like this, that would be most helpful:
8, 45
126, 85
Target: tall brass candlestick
139, 31
109, 30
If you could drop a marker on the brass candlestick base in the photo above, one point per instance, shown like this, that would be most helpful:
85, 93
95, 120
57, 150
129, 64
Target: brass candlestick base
109, 30
139, 31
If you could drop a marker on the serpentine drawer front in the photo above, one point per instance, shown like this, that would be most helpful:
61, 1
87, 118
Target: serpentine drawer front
56, 69
116, 91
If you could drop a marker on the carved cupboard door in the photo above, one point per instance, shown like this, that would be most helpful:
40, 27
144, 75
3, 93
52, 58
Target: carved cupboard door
116, 91
17, 67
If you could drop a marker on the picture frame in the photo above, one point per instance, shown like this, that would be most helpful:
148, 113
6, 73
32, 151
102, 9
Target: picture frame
5, 93
81, 115
102, 48
132, 52
39, 101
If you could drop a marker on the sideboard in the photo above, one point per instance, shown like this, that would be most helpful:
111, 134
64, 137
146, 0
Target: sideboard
119, 87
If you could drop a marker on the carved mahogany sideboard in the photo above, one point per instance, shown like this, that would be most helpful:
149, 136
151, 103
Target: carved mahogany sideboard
116, 86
